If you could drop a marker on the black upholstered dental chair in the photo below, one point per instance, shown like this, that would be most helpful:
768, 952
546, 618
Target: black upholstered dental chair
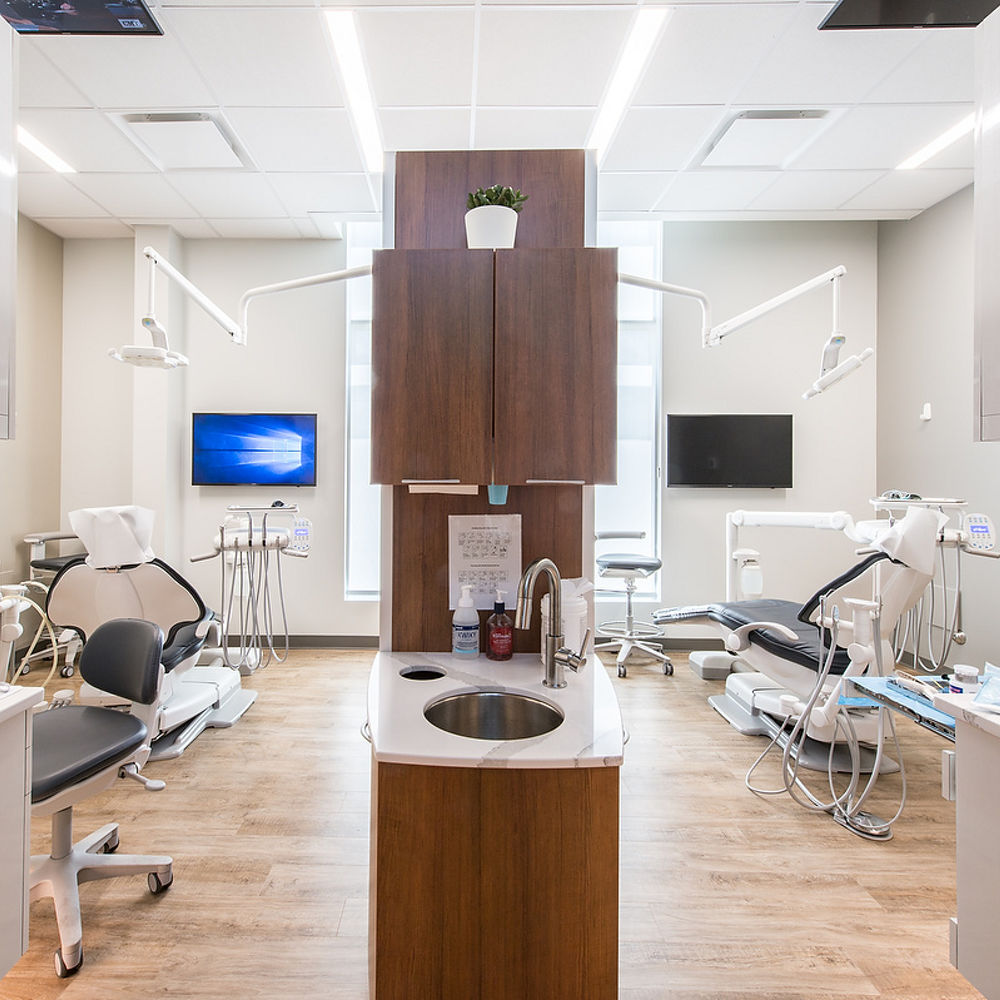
80, 750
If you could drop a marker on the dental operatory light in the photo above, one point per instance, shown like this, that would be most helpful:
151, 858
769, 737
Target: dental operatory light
159, 354
646, 28
711, 336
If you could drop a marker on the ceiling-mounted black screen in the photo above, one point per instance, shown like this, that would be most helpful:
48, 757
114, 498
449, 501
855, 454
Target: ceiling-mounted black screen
79, 17
751, 451
909, 13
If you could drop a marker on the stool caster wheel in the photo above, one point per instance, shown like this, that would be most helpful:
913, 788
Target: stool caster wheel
668, 668
63, 971
621, 670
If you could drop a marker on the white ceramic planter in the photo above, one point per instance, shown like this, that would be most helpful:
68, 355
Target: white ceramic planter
490, 227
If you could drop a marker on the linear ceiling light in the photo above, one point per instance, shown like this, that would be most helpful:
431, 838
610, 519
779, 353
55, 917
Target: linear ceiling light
30, 143
956, 132
347, 47
639, 45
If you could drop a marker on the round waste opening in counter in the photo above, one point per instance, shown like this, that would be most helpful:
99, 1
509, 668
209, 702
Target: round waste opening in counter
422, 672
493, 715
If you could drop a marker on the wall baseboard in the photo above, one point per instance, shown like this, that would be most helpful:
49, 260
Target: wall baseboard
333, 641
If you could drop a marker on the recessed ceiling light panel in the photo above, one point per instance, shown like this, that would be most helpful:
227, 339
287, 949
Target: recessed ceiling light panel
763, 140
184, 141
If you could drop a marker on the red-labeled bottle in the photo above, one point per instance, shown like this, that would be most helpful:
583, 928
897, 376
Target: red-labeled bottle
499, 632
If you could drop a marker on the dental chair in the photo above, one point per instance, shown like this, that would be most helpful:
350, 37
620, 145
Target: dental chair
792, 660
121, 578
78, 751
628, 634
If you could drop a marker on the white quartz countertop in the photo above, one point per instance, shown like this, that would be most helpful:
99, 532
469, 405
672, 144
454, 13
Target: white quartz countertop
18, 699
964, 709
590, 735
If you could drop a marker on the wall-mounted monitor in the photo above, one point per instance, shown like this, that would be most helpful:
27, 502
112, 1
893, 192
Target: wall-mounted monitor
79, 17
253, 449
748, 451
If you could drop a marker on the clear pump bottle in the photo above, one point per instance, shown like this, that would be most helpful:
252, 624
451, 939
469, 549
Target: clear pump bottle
499, 632
465, 626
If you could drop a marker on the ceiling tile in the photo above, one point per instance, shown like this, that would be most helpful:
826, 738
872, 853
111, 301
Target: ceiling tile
297, 138
227, 194
543, 58
261, 58
911, 189
533, 128
135, 195
755, 139
305, 193
879, 136
188, 229
661, 138
424, 128
960, 154
89, 229
810, 67
40, 84
50, 195
814, 189
86, 139
404, 50
942, 68
140, 73
707, 51
717, 190
256, 229
635, 192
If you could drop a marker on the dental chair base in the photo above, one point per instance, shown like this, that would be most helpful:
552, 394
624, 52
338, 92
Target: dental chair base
710, 665
204, 697
752, 705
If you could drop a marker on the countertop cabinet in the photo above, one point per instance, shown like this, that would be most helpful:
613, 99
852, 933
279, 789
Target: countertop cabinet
494, 366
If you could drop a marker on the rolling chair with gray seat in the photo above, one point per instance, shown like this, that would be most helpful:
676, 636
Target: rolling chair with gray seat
80, 750
628, 634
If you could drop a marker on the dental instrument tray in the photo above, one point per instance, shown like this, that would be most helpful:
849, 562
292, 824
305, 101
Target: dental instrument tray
910, 704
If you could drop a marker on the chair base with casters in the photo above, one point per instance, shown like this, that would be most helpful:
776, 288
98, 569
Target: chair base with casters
80, 750
628, 634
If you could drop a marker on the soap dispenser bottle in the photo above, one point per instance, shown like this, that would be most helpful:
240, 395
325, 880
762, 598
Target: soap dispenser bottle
465, 626
499, 632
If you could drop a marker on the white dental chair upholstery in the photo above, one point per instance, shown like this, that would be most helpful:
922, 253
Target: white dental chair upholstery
78, 751
628, 634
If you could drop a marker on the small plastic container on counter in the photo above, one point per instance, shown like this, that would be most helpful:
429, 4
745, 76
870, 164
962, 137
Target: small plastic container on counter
964, 679
575, 613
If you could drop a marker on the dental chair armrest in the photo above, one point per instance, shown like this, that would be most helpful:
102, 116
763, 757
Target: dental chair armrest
47, 536
738, 640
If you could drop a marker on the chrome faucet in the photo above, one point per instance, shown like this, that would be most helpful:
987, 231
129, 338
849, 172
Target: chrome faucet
555, 656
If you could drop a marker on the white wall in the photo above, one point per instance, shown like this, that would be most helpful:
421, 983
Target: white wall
765, 368
926, 355
29, 498
127, 431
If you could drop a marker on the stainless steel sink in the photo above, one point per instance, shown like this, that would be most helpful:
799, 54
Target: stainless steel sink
493, 715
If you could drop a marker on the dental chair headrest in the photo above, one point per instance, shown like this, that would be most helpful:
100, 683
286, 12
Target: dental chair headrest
913, 540
114, 536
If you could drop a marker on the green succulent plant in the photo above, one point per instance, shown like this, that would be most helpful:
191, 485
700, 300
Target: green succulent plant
496, 195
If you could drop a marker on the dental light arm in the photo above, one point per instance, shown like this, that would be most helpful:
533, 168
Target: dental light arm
160, 355
663, 286
284, 286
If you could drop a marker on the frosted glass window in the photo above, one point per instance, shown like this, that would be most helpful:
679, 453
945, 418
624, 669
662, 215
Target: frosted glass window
363, 505
633, 504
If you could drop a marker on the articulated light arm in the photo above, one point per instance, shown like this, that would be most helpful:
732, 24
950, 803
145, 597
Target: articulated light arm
692, 293
283, 286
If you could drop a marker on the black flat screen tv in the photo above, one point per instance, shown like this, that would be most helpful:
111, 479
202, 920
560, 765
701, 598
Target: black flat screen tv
79, 17
253, 449
740, 450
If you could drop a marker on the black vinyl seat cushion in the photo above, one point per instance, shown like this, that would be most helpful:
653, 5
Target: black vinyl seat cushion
806, 651
52, 564
183, 642
73, 743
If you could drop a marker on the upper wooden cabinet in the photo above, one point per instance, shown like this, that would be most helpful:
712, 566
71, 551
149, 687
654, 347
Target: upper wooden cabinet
494, 367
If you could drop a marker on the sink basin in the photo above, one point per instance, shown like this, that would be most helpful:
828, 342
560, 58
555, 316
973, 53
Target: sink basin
493, 715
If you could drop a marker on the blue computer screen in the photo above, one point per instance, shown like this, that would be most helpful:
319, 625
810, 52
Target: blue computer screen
253, 449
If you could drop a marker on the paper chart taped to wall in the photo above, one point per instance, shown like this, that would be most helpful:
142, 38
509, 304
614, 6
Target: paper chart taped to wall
484, 551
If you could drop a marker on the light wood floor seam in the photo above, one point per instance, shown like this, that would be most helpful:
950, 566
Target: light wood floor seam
724, 895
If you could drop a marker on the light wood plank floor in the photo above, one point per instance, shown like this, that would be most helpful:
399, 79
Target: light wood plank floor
723, 894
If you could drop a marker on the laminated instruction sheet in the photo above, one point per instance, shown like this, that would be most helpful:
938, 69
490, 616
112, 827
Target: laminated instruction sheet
484, 550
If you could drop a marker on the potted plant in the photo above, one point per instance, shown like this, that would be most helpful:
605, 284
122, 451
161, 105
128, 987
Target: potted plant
491, 219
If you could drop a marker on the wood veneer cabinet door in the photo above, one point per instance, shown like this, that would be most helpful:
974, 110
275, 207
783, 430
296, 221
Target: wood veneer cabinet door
555, 367
432, 360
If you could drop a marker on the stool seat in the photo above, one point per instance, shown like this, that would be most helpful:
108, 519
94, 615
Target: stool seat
628, 562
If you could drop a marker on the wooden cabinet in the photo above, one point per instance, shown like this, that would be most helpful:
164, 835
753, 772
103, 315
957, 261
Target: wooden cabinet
514, 896
494, 367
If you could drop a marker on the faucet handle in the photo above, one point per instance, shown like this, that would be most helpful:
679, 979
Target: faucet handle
575, 661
